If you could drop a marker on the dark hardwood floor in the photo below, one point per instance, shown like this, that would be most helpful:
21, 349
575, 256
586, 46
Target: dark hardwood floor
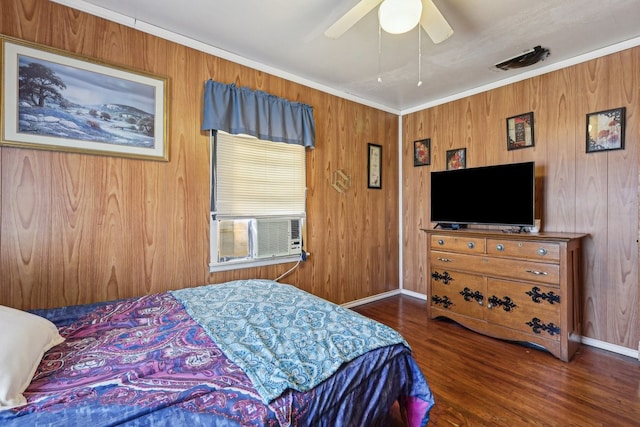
482, 381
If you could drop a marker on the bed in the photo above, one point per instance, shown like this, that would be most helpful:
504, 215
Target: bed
241, 353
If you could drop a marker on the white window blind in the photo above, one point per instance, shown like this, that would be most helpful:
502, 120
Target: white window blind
258, 178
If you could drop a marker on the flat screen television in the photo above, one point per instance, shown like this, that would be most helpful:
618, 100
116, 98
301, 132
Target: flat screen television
502, 195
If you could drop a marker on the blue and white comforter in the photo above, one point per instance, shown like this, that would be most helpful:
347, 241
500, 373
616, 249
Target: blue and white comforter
280, 336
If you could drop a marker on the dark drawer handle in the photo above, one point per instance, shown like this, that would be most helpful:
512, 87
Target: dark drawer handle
469, 295
538, 297
471, 245
441, 242
507, 303
443, 301
542, 251
446, 277
537, 326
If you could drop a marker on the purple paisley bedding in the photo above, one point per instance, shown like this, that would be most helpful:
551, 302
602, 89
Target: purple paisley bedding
144, 361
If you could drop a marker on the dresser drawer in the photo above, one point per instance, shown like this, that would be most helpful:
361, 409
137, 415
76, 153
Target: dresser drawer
458, 244
517, 269
458, 292
543, 251
527, 308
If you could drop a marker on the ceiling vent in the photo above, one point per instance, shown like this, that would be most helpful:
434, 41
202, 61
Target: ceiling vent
528, 58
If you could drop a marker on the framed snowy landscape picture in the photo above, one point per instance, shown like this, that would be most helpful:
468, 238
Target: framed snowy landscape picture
53, 100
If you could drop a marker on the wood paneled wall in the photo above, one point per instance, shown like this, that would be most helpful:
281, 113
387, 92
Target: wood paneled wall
593, 193
78, 228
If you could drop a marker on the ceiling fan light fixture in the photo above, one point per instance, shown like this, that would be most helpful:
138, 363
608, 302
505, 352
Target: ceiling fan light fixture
399, 16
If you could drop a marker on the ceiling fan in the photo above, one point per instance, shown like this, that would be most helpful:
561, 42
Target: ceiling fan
430, 19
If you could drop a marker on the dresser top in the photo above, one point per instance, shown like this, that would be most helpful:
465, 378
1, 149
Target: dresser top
505, 235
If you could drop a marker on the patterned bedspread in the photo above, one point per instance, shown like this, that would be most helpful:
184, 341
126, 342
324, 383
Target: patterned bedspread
146, 361
281, 336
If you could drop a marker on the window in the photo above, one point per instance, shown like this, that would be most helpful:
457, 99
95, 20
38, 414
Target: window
258, 201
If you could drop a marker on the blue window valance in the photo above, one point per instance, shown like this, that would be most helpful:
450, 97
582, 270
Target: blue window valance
240, 110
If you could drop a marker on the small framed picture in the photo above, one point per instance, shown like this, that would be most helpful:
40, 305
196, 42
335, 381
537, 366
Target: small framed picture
520, 131
605, 130
457, 159
422, 152
374, 166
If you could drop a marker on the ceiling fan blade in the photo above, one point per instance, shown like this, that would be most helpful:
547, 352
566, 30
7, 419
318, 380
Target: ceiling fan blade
350, 18
434, 23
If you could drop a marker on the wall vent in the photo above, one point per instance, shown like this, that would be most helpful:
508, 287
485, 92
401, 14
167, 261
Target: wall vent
532, 56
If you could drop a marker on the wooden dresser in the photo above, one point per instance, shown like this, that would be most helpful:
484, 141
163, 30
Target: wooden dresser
514, 286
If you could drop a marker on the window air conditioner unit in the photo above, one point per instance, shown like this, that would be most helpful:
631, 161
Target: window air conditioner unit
276, 237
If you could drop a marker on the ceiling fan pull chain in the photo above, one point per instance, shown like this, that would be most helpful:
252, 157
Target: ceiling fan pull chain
419, 56
379, 53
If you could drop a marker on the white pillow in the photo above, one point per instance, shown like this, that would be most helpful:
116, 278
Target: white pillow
24, 338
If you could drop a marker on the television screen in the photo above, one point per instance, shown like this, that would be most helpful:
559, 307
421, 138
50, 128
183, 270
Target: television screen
490, 195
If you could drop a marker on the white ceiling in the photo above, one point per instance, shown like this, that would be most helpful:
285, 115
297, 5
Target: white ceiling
286, 38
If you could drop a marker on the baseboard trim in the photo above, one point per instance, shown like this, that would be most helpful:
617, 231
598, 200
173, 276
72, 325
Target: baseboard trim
373, 298
413, 294
614, 348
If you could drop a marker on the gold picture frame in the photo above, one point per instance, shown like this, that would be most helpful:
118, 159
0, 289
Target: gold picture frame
54, 100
